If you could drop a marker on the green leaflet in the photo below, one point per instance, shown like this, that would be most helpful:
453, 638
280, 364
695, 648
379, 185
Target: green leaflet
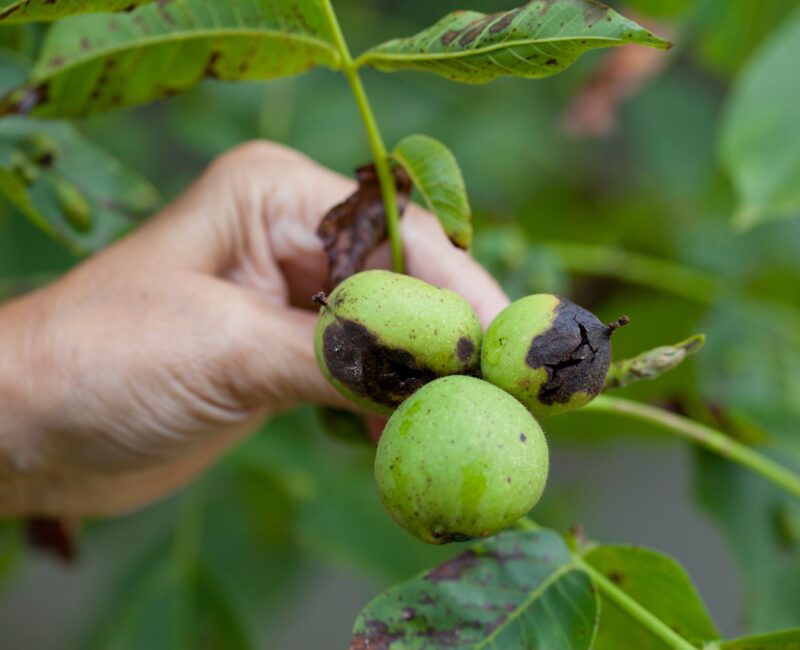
99, 62
537, 40
25, 11
69, 188
658, 583
760, 135
435, 173
539, 600
784, 640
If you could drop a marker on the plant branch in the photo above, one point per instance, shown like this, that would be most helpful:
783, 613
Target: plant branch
704, 436
382, 165
641, 615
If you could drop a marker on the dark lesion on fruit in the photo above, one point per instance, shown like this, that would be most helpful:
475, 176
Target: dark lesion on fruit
464, 349
360, 361
575, 352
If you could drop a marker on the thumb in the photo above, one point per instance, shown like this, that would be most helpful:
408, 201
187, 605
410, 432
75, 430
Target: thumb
273, 361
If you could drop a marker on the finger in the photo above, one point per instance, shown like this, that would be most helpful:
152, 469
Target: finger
432, 257
272, 360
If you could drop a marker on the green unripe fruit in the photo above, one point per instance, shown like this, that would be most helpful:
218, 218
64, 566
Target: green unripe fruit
549, 353
460, 459
382, 335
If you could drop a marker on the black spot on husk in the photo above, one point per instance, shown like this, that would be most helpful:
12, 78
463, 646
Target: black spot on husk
464, 349
575, 351
358, 359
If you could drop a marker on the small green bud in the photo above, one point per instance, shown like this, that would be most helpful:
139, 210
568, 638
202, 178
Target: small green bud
42, 149
23, 167
382, 335
73, 204
549, 353
460, 459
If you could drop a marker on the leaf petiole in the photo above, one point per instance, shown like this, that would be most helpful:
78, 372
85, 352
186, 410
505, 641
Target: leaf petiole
641, 615
382, 165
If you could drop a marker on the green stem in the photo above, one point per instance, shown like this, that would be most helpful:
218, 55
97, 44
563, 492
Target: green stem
702, 435
382, 167
627, 604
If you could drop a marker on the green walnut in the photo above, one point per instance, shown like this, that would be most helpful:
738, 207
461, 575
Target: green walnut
382, 335
460, 459
549, 353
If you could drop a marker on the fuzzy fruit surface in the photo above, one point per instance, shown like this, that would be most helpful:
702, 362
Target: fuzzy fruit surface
460, 459
548, 352
383, 335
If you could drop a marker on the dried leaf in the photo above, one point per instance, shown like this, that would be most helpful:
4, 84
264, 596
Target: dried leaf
355, 227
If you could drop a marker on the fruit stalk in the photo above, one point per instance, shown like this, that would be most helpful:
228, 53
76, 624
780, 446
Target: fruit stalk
705, 436
382, 166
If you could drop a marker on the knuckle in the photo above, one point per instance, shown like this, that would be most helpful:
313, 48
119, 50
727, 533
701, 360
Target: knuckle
260, 155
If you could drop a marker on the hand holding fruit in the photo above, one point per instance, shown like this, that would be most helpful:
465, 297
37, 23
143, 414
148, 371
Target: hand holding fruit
148, 361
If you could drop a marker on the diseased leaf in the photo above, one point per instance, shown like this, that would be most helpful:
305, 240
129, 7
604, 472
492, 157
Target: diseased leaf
783, 640
25, 11
99, 62
435, 173
653, 363
67, 186
538, 600
660, 585
760, 134
538, 39
354, 228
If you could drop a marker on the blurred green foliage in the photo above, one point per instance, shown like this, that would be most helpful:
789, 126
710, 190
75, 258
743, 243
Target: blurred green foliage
592, 218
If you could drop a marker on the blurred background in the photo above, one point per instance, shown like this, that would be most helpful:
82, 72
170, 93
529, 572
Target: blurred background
608, 184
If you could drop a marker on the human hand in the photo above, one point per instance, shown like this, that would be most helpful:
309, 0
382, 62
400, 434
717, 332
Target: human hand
129, 375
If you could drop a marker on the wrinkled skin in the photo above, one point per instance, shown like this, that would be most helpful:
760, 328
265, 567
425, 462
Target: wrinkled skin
384, 335
548, 352
460, 459
127, 377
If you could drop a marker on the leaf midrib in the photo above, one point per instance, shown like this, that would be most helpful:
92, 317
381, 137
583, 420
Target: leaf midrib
532, 597
170, 37
379, 54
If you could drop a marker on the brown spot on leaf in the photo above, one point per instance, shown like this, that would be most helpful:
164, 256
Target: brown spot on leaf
475, 29
594, 12
360, 361
210, 68
617, 577
354, 228
375, 637
453, 569
504, 21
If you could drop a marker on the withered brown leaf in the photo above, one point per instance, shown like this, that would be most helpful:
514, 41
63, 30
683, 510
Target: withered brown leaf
354, 228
